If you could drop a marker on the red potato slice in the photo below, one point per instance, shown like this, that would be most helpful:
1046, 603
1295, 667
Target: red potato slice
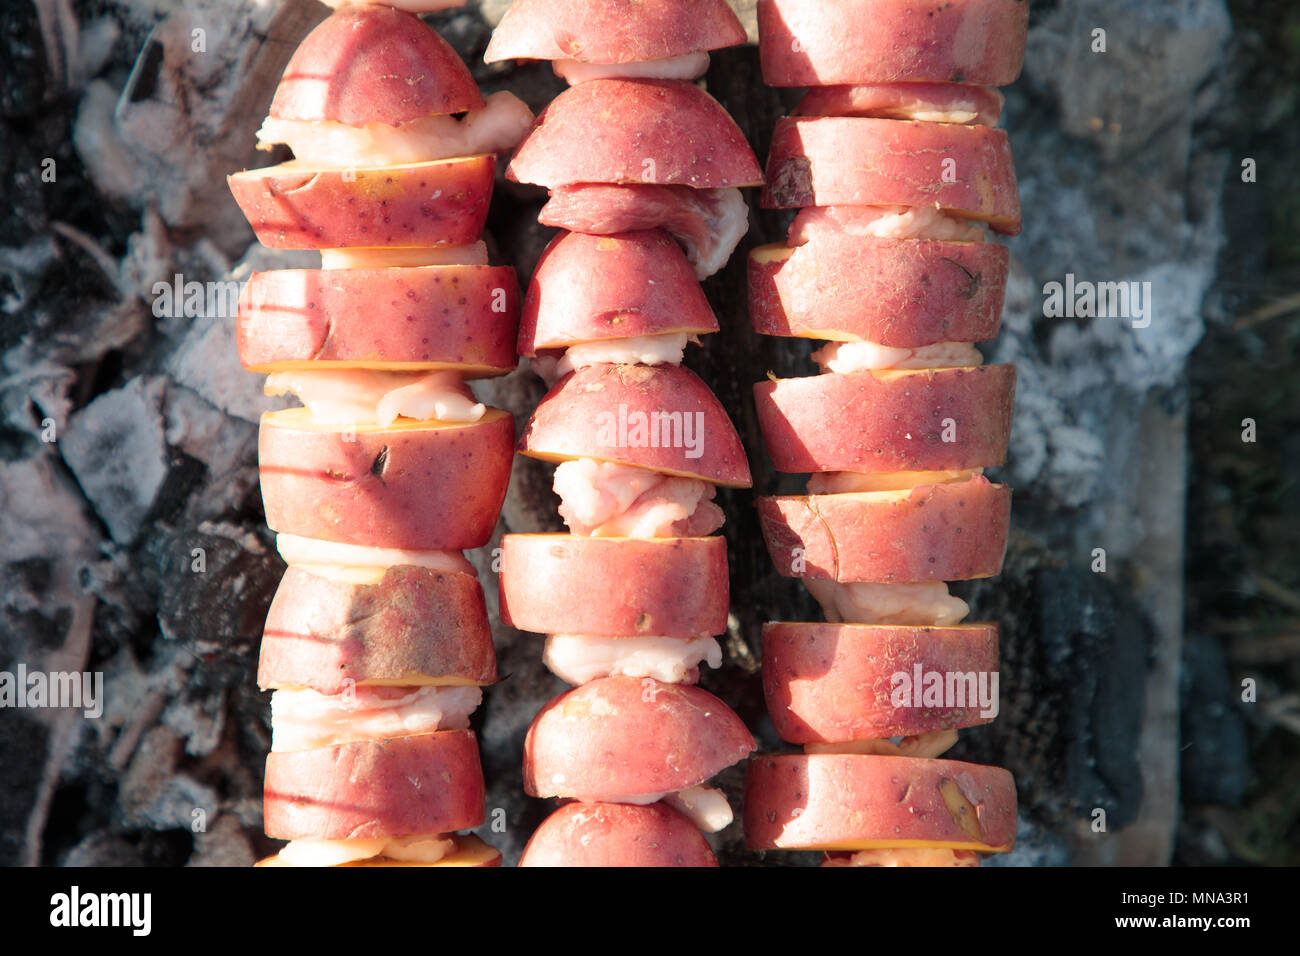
594, 288
373, 64
889, 420
612, 31
627, 736
429, 783
657, 132
614, 587
943, 532
399, 319
864, 802
412, 626
293, 206
964, 171
835, 682
470, 851
661, 417
617, 834
903, 101
811, 43
417, 485
901, 293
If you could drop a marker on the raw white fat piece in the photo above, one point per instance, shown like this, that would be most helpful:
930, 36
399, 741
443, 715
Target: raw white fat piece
841, 358
608, 499
472, 254
427, 848
926, 604
688, 66
577, 658
884, 222
367, 397
845, 482
663, 349
303, 719
298, 550
499, 125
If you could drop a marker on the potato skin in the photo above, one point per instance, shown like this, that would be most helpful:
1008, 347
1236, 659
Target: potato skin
579, 418
426, 317
901, 293
664, 132
612, 31
617, 834
373, 64
831, 801
892, 100
888, 421
421, 488
833, 682
321, 633
853, 161
947, 532
443, 202
888, 41
614, 587
627, 735
590, 288
401, 786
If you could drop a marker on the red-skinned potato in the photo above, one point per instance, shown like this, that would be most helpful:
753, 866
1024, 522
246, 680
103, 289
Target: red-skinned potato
661, 417
411, 626
863, 802
901, 293
802, 43
617, 834
373, 64
416, 485
835, 682
470, 851
612, 31
664, 132
401, 786
296, 206
614, 587
890, 420
964, 171
904, 101
590, 288
428, 317
627, 735
943, 532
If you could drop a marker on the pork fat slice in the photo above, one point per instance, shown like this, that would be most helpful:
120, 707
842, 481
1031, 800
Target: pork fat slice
366, 397
499, 125
303, 719
607, 499
577, 659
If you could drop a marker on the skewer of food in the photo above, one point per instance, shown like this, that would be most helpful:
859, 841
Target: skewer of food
377, 644
899, 176
644, 171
